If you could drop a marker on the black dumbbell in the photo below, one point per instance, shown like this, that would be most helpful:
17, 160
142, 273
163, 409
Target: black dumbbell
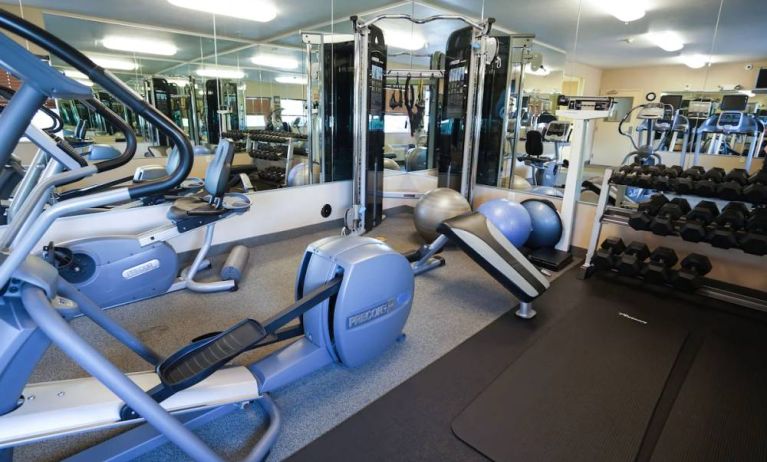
606, 256
642, 218
693, 268
754, 240
658, 270
664, 221
708, 185
756, 191
685, 183
646, 179
731, 188
632, 259
663, 182
727, 224
695, 227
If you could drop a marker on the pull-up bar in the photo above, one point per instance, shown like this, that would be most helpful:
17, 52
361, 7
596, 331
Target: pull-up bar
483, 27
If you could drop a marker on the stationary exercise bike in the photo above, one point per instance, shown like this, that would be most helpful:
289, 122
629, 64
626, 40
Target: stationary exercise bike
115, 270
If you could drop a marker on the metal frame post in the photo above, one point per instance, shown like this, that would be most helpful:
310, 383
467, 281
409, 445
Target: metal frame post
355, 224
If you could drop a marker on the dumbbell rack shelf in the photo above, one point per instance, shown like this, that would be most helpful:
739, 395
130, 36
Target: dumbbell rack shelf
608, 214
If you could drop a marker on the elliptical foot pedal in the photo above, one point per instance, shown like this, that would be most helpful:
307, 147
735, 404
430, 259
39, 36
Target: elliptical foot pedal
198, 360
201, 358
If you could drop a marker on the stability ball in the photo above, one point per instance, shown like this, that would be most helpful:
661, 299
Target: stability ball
547, 225
510, 218
390, 164
435, 207
517, 182
299, 174
416, 159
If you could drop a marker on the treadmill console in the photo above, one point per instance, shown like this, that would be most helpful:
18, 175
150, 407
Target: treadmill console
729, 121
557, 131
699, 110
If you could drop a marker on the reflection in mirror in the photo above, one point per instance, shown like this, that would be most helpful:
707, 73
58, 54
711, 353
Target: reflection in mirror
698, 105
537, 141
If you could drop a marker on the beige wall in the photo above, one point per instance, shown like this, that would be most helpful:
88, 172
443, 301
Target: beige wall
680, 77
267, 89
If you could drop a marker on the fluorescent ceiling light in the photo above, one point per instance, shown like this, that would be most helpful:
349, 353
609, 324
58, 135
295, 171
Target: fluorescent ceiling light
87, 83
404, 40
694, 61
291, 79
276, 61
114, 63
623, 10
668, 41
220, 73
254, 10
139, 45
73, 74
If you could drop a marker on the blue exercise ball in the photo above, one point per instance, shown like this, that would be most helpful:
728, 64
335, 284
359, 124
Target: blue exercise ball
510, 218
547, 225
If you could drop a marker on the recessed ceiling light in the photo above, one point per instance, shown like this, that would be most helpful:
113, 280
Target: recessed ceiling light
291, 79
404, 40
668, 41
254, 10
623, 10
73, 74
220, 73
139, 45
694, 61
114, 63
276, 61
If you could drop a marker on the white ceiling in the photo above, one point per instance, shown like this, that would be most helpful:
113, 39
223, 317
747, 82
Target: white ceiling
602, 40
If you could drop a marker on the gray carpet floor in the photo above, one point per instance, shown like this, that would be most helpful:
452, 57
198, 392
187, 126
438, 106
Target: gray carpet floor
451, 304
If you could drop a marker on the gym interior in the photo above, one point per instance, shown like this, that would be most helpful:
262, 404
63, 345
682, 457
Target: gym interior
370, 230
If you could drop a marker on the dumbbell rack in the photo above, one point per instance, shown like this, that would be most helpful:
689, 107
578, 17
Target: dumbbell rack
289, 141
610, 214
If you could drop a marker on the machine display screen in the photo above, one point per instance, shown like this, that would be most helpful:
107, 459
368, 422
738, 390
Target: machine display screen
761, 79
734, 103
557, 130
729, 119
674, 101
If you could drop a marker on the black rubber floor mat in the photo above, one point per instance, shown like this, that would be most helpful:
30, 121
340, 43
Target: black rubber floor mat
584, 392
721, 411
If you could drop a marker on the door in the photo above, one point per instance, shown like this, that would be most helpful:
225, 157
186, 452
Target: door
610, 147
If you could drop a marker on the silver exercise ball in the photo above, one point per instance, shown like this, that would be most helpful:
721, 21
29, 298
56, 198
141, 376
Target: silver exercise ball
391, 164
435, 207
299, 174
517, 182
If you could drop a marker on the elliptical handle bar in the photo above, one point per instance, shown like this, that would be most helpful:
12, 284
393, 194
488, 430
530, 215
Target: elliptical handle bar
123, 127
97, 106
58, 124
106, 80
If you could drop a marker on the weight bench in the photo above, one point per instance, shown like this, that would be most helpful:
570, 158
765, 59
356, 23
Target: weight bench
485, 244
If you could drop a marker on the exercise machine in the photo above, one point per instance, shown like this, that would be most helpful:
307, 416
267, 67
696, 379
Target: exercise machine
732, 122
344, 319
